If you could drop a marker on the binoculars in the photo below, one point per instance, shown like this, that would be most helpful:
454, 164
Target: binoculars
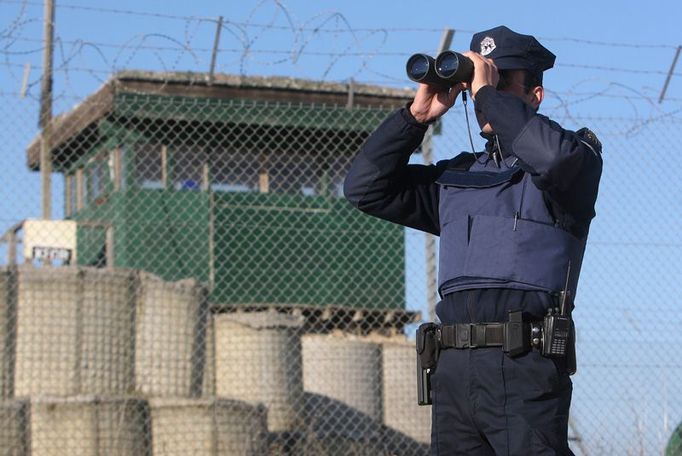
446, 70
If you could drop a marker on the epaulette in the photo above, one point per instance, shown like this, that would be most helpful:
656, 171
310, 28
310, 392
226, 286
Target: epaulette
588, 137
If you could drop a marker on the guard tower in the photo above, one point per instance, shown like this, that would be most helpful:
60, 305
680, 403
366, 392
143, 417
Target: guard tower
236, 182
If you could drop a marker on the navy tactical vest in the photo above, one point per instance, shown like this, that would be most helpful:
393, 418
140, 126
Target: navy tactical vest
497, 231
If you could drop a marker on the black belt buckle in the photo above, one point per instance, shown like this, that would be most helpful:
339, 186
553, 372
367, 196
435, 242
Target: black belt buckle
479, 335
463, 335
470, 335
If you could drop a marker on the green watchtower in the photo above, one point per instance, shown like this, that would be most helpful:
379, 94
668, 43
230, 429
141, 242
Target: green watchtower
236, 182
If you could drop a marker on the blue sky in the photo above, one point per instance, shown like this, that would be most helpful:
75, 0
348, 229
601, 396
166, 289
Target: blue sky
612, 61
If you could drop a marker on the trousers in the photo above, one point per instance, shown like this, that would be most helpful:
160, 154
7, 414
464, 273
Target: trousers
486, 403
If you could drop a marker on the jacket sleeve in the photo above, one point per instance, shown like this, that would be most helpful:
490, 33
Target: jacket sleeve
381, 183
564, 164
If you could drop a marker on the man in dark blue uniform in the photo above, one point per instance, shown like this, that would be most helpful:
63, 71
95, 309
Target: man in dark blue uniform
512, 221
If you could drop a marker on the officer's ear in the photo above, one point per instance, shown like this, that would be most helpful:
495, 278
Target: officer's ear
535, 96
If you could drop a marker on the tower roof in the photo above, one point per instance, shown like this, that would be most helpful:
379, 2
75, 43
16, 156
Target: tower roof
101, 103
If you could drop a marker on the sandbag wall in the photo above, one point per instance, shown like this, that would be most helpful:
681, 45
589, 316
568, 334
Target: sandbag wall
121, 362
111, 362
264, 364
361, 396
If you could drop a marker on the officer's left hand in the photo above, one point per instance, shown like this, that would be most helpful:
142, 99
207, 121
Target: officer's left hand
431, 102
485, 72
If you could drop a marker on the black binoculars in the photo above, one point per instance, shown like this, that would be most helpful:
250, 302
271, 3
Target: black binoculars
446, 70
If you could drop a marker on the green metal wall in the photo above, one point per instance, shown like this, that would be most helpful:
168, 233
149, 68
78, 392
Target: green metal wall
259, 248
267, 249
305, 250
161, 231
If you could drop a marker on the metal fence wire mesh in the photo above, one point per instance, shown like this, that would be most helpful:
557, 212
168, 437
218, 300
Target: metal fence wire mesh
208, 291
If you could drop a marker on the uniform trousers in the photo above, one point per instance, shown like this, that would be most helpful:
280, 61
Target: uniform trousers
486, 403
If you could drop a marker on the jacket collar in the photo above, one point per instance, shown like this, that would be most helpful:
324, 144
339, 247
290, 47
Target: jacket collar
496, 151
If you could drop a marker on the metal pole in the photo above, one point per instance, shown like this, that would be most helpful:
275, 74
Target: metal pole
109, 247
446, 40
11, 248
670, 74
24, 80
211, 240
45, 119
214, 54
351, 94
430, 239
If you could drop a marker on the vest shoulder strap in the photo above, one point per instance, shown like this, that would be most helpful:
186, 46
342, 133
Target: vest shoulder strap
462, 162
456, 173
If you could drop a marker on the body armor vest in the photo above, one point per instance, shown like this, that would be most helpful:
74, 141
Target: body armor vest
497, 231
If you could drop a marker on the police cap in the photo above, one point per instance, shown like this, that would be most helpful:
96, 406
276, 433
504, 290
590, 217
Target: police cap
512, 51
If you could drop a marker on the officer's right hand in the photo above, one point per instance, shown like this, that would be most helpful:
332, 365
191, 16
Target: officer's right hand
432, 102
485, 73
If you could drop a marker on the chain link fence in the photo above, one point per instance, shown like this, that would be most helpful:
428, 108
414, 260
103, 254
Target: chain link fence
208, 291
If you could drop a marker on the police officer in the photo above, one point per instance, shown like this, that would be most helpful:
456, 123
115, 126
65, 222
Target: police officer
511, 220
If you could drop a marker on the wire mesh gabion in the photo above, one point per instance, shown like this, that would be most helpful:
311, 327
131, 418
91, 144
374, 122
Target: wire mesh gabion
258, 359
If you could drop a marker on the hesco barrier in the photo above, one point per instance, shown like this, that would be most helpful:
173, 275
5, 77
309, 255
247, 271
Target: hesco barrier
88, 425
207, 427
7, 326
75, 341
14, 427
344, 369
170, 326
238, 383
258, 359
101, 334
400, 409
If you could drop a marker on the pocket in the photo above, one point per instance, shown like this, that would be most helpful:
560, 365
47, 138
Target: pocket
523, 251
491, 252
535, 376
453, 248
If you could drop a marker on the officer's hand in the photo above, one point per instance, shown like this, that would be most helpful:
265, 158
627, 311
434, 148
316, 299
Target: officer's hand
432, 102
485, 72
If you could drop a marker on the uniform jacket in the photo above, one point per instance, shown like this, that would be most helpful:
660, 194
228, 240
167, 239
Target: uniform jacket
516, 225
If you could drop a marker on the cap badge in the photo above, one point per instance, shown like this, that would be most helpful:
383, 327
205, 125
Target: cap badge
487, 45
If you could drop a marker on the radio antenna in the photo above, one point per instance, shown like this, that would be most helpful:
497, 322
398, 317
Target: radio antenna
564, 294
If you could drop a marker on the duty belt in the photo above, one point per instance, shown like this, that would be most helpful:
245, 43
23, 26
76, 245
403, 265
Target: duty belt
482, 335
472, 335
553, 337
